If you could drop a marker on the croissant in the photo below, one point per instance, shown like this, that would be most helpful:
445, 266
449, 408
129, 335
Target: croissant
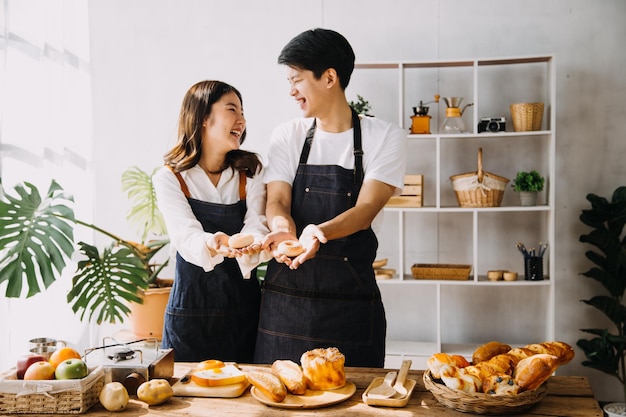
531, 372
489, 350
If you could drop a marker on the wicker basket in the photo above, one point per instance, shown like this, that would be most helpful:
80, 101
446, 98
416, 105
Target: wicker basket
526, 116
479, 403
71, 396
441, 271
479, 189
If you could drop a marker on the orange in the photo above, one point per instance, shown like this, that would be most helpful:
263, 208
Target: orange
62, 354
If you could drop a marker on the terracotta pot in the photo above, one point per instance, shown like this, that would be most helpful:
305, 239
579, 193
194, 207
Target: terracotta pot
146, 320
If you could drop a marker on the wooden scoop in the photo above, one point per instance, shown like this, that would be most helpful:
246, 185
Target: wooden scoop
385, 389
399, 385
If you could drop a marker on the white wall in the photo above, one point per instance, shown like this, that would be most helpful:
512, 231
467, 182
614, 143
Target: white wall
146, 53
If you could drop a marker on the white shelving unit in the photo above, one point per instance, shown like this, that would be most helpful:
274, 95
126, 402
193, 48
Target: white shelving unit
428, 316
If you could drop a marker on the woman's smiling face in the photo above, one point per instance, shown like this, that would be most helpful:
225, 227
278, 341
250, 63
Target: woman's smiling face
223, 128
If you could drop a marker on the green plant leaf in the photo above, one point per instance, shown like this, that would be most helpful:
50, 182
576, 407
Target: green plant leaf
36, 237
103, 283
611, 307
144, 213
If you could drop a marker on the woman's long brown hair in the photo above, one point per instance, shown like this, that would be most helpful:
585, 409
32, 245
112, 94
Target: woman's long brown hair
195, 108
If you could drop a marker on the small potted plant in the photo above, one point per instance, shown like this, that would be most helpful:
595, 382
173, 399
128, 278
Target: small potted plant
606, 350
528, 184
361, 106
37, 242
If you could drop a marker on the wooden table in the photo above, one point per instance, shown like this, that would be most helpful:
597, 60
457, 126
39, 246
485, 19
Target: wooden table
568, 396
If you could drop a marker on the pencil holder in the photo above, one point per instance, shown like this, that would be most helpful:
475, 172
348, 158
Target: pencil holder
533, 268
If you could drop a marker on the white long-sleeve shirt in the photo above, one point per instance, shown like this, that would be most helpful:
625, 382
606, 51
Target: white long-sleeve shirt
185, 231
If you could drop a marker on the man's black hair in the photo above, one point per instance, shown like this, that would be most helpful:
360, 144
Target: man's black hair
317, 50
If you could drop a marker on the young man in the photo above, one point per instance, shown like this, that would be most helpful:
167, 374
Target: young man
328, 176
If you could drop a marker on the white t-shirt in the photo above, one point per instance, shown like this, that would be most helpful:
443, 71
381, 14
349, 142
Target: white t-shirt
384, 152
186, 233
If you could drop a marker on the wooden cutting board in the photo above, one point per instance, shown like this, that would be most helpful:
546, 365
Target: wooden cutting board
191, 389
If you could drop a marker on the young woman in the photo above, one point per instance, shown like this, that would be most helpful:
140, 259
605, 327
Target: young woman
209, 190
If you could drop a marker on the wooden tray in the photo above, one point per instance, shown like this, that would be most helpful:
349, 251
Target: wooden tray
312, 398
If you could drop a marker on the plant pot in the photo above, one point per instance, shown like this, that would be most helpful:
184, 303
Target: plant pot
146, 320
615, 409
528, 198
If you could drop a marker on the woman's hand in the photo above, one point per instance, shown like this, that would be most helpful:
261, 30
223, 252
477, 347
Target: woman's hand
217, 243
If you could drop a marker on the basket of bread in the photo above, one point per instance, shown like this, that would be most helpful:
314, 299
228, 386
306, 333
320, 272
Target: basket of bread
499, 380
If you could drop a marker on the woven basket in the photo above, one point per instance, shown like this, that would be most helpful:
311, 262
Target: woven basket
479, 403
441, 271
526, 116
479, 189
70, 396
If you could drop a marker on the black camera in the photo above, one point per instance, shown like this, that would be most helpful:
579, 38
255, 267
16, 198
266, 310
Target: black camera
492, 124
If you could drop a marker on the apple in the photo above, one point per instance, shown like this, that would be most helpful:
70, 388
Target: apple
73, 368
39, 370
25, 361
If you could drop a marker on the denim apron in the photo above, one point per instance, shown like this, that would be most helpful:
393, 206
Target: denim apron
213, 315
331, 300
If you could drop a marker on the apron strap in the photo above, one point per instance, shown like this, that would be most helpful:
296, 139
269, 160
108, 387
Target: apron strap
357, 144
181, 181
358, 148
242, 185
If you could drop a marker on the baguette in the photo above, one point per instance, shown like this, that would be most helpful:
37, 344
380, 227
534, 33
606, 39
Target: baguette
563, 351
291, 375
268, 383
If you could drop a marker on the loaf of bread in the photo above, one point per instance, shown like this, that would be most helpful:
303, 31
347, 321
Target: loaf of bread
533, 371
291, 375
324, 368
268, 383
489, 350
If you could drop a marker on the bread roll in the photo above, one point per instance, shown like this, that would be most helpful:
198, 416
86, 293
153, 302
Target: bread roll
268, 383
437, 360
500, 385
488, 351
240, 240
531, 372
324, 368
291, 375
459, 379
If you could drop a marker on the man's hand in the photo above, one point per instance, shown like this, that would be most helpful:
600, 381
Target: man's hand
311, 238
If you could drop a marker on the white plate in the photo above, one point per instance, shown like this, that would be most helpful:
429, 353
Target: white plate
312, 398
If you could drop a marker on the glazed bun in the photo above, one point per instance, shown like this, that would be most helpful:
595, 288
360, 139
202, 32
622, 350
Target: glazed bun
324, 368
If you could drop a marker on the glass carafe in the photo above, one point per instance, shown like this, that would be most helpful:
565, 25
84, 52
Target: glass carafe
453, 123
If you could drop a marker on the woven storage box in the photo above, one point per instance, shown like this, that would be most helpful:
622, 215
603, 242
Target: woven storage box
480, 188
479, 403
526, 116
441, 271
71, 396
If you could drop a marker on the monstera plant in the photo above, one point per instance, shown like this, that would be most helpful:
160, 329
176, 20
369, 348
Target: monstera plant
37, 241
606, 350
